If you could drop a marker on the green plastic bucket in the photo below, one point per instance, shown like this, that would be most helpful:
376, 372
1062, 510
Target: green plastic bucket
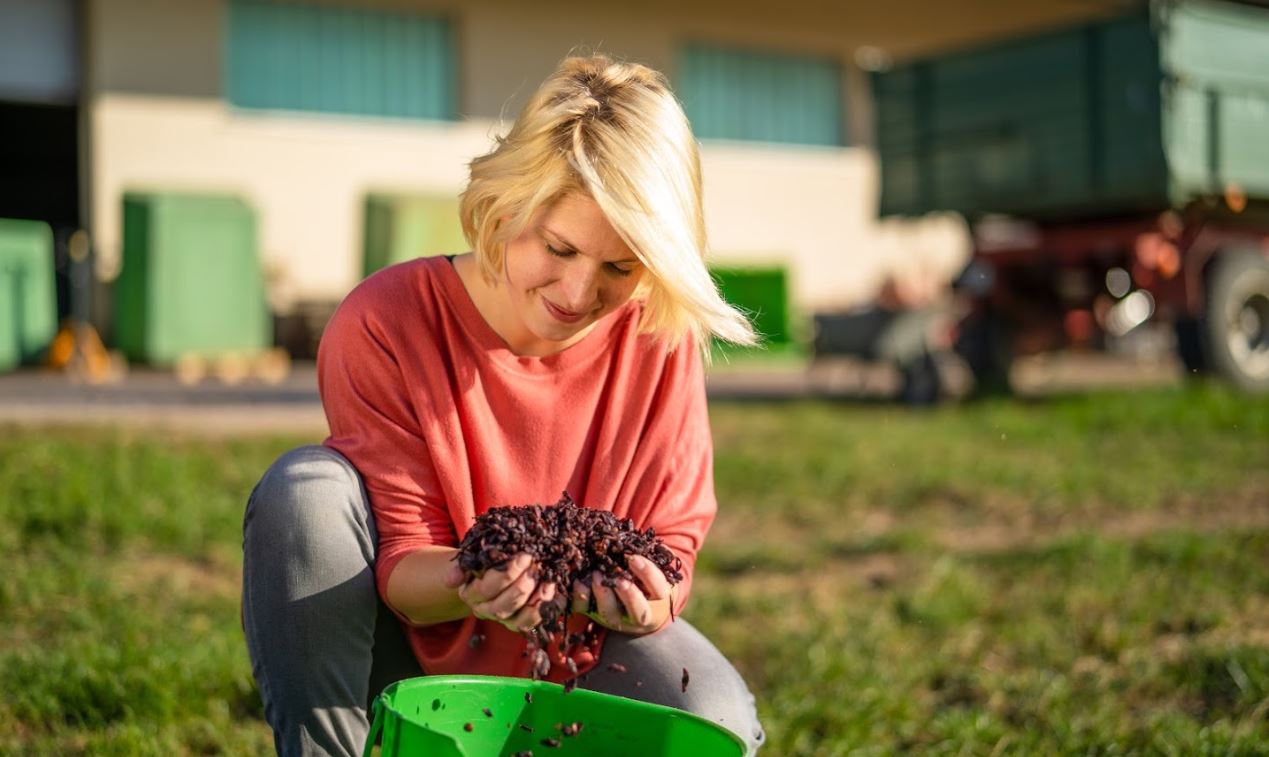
430, 717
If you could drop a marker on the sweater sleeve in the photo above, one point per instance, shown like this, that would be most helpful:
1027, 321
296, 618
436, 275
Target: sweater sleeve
374, 424
686, 505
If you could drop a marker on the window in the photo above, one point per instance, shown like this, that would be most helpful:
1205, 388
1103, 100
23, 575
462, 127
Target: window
298, 56
762, 96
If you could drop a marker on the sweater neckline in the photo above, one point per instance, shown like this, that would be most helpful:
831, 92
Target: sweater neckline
488, 340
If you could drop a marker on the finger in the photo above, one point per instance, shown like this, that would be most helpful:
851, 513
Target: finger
530, 615
454, 577
635, 604
547, 593
525, 618
660, 611
542, 592
493, 582
650, 577
607, 607
581, 597
511, 599
517, 595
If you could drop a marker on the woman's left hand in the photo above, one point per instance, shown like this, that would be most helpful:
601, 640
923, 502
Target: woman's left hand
629, 607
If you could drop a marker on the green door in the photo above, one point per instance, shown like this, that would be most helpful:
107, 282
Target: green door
191, 282
28, 297
762, 292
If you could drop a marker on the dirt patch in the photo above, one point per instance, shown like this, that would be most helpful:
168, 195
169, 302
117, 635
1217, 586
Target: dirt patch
1001, 530
990, 527
823, 586
878, 547
1250, 626
144, 573
781, 528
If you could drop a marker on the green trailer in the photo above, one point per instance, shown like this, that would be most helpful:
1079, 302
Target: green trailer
1117, 175
191, 283
1152, 110
28, 297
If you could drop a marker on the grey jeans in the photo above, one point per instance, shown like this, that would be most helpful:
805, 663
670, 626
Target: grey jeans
323, 645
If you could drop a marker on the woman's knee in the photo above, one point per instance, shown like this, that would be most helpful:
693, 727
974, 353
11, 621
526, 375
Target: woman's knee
306, 493
686, 671
714, 690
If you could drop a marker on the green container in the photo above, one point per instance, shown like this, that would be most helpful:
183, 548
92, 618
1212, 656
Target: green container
28, 294
763, 293
1139, 112
191, 282
404, 227
428, 716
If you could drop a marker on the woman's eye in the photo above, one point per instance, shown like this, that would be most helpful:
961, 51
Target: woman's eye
559, 253
617, 270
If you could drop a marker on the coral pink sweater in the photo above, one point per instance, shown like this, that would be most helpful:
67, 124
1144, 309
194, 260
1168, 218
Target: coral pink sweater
444, 422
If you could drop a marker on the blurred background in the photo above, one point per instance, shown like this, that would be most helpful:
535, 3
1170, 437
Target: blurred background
1046, 224
937, 190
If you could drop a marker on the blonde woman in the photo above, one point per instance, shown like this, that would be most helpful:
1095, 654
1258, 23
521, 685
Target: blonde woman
564, 353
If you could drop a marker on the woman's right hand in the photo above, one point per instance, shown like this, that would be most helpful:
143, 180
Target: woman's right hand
509, 595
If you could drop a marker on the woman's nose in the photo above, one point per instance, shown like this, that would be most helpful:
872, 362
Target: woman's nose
580, 289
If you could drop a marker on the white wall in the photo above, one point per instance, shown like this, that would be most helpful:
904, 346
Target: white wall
306, 177
156, 121
811, 209
815, 210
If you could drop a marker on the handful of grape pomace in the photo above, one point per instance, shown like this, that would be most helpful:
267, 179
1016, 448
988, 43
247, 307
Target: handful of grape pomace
568, 544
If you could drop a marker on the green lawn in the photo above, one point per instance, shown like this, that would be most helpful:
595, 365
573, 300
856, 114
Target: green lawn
1081, 575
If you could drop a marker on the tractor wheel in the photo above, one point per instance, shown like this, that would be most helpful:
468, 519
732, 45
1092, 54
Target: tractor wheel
1235, 332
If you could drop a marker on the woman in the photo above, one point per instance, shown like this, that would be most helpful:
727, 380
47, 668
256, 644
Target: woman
563, 354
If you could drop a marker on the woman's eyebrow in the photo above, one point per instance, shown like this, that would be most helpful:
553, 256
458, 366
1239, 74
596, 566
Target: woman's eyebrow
573, 248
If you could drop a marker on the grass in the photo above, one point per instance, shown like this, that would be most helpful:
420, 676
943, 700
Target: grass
1080, 575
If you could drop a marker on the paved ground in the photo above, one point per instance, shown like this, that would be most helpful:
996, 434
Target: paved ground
156, 398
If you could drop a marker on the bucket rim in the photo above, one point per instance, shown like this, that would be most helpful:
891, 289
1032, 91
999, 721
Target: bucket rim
384, 699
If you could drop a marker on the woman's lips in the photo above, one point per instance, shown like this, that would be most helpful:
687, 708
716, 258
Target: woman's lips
561, 314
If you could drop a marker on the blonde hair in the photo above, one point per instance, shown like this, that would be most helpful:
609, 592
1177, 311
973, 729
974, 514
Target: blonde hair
612, 131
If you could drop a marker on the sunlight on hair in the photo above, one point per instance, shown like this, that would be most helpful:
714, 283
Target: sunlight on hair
615, 132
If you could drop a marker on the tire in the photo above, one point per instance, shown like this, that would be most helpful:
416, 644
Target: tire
1235, 333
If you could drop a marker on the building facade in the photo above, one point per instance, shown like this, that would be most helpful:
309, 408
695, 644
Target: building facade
306, 108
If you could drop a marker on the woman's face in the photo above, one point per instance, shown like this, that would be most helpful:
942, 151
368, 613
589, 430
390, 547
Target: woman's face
568, 269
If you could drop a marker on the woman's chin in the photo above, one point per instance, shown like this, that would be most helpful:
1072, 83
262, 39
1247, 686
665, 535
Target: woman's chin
556, 336
559, 337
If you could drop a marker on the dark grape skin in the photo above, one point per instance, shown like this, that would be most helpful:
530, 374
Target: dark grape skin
568, 544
